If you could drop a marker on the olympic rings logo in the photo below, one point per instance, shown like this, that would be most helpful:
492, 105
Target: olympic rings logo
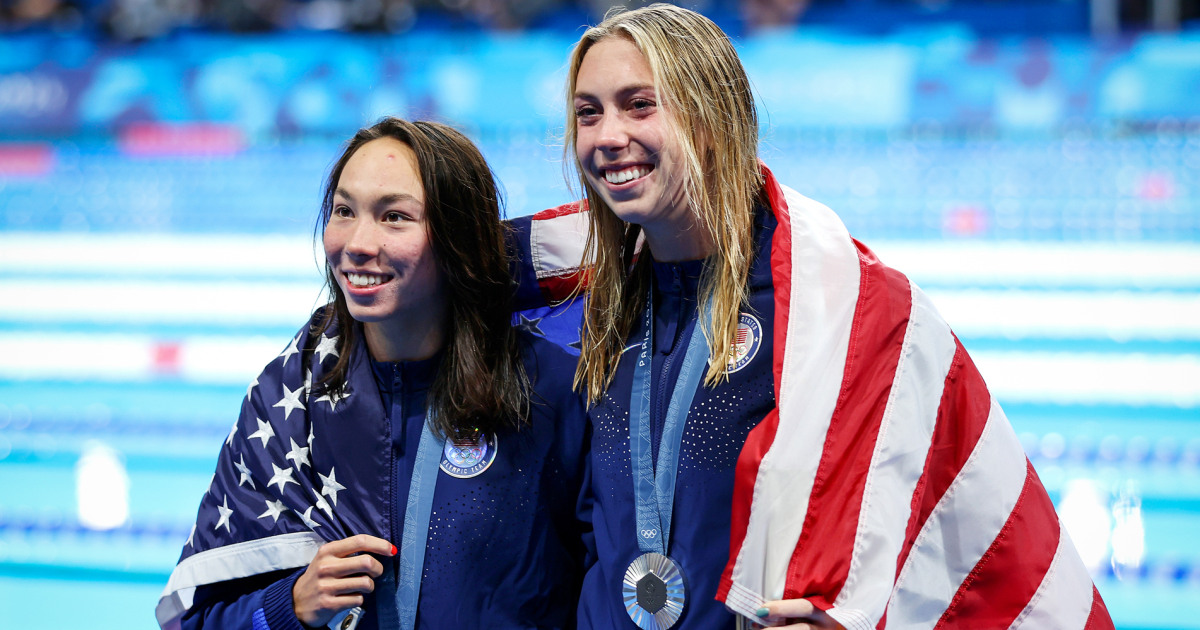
649, 533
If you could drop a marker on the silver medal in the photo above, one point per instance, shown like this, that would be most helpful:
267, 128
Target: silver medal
654, 591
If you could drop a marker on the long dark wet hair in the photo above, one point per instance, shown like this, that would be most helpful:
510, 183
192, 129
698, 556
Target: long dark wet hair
481, 385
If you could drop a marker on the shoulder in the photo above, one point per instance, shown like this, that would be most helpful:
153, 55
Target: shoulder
550, 367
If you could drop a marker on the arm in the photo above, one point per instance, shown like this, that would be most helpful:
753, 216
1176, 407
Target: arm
245, 603
337, 579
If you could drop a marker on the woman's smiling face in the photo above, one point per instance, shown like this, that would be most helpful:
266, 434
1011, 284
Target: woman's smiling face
377, 239
624, 144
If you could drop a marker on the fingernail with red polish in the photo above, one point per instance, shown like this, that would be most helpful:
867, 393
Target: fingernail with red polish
393, 550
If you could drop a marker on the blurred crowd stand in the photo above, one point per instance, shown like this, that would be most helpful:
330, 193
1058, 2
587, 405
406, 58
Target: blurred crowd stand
135, 20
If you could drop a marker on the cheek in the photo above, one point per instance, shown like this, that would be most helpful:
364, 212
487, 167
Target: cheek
332, 245
583, 143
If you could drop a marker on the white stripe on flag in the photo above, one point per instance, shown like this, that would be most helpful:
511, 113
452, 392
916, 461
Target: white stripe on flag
899, 458
961, 527
557, 243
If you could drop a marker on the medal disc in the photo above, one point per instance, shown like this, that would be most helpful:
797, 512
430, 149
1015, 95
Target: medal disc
654, 591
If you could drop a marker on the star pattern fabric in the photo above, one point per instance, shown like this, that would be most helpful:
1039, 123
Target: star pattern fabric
290, 468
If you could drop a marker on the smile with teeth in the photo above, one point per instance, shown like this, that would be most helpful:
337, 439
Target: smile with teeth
620, 176
363, 280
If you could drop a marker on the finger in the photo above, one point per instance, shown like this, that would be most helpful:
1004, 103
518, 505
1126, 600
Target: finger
353, 565
361, 543
354, 585
788, 608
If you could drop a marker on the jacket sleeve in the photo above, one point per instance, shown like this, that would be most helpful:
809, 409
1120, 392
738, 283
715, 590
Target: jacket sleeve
261, 602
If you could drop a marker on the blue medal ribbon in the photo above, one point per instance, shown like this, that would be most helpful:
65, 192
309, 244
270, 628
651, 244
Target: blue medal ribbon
654, 486
416, 525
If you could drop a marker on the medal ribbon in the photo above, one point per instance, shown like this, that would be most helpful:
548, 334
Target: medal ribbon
654, 486
416, 525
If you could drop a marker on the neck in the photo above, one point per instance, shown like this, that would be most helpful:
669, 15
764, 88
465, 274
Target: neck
411, 339
678, 241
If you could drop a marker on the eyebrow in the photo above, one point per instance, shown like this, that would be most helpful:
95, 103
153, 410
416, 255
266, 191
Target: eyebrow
384, 200
624, 93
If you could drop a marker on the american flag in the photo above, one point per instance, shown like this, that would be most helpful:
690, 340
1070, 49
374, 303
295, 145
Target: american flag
887, 485
298, 469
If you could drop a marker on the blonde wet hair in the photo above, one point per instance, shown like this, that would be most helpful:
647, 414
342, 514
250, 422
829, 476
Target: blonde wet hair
703, 91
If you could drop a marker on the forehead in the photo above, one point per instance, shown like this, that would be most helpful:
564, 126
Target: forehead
385, 165
613, 63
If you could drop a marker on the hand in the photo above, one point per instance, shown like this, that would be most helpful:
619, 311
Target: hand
338, 577
798, 613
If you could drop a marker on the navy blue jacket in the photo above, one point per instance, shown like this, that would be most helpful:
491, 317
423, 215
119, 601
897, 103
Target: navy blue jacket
506, 548
718, 422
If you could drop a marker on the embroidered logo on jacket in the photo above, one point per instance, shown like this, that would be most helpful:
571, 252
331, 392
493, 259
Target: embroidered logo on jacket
466, 458
745, 343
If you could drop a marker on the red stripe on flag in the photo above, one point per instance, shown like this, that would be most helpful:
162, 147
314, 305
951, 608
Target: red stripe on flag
759, 441
559, 288
1098, 619
962, 414
1010, 571
559, 211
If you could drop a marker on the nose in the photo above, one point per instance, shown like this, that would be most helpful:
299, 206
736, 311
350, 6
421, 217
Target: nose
362, 241
612, 133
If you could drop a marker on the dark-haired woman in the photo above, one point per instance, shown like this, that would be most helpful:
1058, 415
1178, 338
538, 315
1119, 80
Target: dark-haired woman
410, 459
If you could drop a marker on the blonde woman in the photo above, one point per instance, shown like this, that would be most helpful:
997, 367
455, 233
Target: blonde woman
783, 427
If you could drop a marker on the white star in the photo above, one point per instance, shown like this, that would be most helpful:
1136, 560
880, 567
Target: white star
307, 381
308, 519
274, 509
229, 440
282, 476
333, 399
326, 347
245, 471
290, 400
311, 435
298, 455
292, 348
329, 485
225, 512
191, 535
264, 432
323, 505
250, 388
